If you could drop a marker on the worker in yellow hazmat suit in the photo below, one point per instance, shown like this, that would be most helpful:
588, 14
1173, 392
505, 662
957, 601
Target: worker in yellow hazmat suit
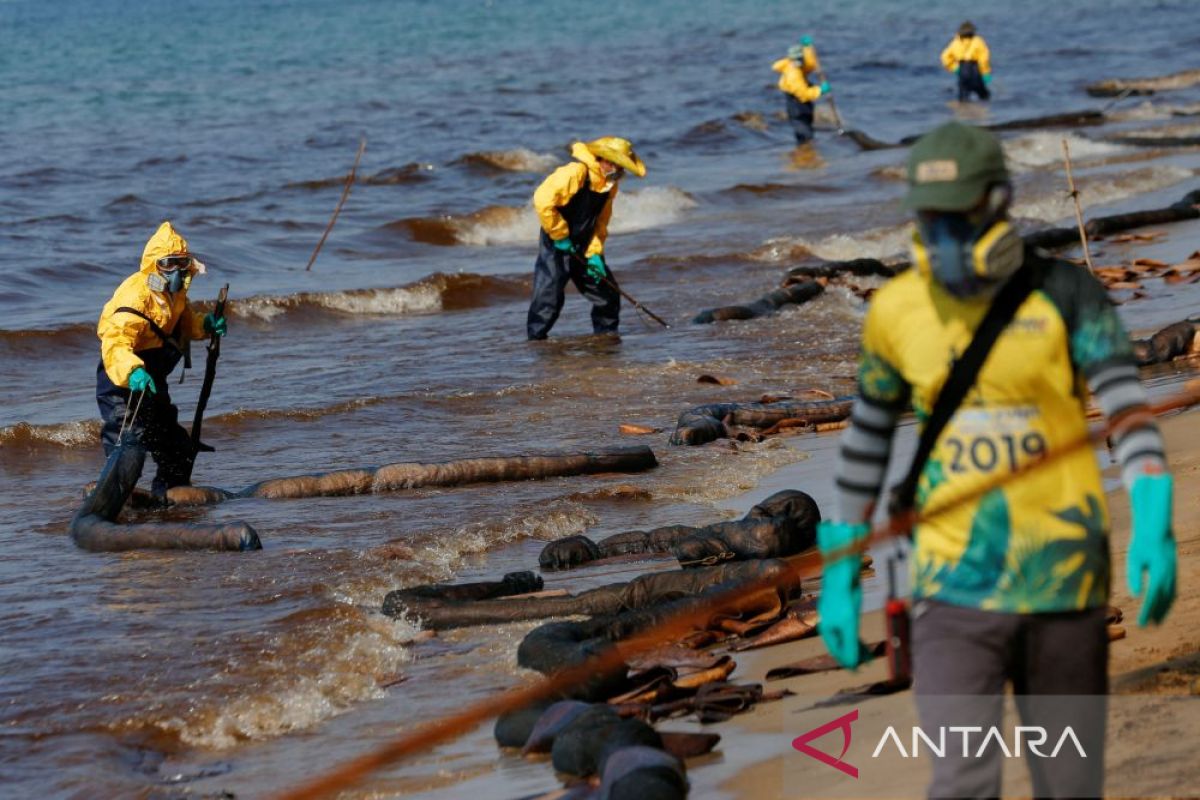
794, 70
144, 331
967, 57
574, 204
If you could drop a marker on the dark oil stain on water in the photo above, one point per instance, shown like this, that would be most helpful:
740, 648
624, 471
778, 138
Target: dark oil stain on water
162, 675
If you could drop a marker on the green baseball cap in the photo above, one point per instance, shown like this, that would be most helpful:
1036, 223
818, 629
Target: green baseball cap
951, 167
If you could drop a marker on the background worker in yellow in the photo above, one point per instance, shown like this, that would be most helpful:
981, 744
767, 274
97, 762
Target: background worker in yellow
801, 60
574, 204
144, 331
967, 57
1011, 584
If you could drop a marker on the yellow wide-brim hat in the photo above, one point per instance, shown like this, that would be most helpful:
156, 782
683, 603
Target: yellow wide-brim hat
619, 151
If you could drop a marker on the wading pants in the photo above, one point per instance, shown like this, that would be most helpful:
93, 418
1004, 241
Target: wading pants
1058, 666
550, 275
800, 114
156, 425
971, 80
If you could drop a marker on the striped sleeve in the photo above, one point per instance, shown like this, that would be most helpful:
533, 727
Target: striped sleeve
1102, 353
863, 454
1138, 448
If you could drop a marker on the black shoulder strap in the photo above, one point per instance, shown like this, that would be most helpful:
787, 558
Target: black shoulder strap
168, 339
963, 373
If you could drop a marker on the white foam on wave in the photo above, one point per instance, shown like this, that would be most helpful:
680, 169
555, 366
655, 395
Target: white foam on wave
498, 225
1044, 148
520, 159
440, 556
652, 207
1098, 190
728, 477
1147, 110
634, 211
338, 664
421, 298
876, 243
81, 433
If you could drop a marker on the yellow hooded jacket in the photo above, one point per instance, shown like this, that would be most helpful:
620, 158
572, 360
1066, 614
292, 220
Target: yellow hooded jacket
793, 78
972, 48
562, 184
123, 335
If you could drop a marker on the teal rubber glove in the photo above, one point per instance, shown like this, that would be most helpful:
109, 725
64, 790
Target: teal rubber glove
840, 603
596, 268
987, 78
140, 381
806, 41
1152, 547
824, 87
564, 245
214, 325
956, 69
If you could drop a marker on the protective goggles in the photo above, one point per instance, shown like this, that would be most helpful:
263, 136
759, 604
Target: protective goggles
173, 263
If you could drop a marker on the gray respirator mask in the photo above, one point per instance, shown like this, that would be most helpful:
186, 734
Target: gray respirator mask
969, 253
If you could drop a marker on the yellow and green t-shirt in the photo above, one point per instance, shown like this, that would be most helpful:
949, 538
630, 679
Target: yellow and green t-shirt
1040, 542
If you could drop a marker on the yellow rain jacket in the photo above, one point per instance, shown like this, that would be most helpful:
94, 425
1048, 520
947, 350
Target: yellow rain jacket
562, 184
123, 335
967, 49
793, 78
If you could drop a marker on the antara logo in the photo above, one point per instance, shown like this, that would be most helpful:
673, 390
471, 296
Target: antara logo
842, 723
1025, 737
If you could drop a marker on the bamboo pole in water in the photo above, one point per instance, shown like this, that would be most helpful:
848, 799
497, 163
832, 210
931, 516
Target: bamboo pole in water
362, 145
1087, 256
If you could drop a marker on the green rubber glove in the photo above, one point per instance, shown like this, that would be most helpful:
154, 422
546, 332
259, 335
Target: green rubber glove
806, 41
596, 268
1152, 547
824, 87
840, 603
214, 325
956, 69
987, 78
564, 245
140, 381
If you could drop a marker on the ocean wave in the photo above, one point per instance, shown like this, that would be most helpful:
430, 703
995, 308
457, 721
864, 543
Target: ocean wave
491, 225
71, 334
723, 131
1045, 148
772, 189
126, 200
413, 172
653, 207
319, 662
438, 555
326, 661
69, 435
1148, 110
1097, 190
502, 225
517, 160
437, 292
875, 243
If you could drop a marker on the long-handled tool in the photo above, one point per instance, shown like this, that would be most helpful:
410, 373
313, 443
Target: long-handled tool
837, 118
608, 279
210, 373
